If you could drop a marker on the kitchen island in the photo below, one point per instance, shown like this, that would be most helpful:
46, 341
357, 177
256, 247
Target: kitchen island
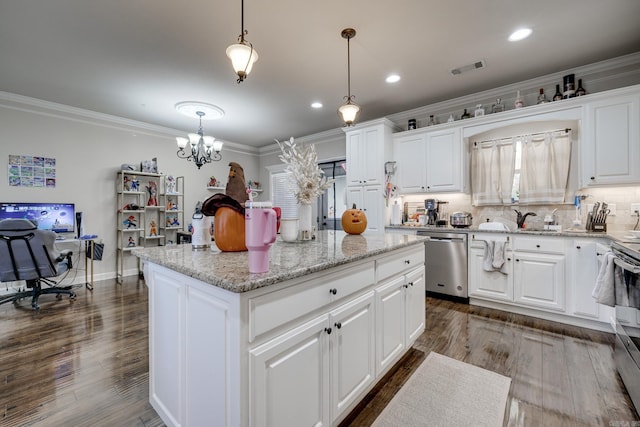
299, 345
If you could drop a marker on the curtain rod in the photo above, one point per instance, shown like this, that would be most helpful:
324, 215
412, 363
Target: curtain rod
565, 130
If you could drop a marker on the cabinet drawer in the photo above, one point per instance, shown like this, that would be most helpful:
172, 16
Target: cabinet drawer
539, 244
271, 310
396, 263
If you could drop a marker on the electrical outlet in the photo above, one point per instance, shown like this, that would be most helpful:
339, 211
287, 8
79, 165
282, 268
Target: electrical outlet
589, 207
635, 209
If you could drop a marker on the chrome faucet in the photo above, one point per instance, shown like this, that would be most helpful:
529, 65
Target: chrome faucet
521, 218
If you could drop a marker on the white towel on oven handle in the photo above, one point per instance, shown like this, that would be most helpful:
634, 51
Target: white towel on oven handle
604, 291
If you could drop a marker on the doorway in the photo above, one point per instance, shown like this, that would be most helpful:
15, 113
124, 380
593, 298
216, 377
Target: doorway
332, 203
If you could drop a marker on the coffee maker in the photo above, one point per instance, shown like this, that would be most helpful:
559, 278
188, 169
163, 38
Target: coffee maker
431, 208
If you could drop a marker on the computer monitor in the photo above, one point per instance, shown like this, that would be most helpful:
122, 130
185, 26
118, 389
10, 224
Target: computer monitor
58, 217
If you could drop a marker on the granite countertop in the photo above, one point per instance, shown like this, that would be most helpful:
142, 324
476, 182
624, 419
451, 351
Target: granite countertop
230, 270
568, 232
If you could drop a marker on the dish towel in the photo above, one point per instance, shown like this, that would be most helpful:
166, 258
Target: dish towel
487, 261
498, 255
604, 291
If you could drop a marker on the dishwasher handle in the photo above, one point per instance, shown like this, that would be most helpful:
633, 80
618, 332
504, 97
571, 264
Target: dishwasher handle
447, 239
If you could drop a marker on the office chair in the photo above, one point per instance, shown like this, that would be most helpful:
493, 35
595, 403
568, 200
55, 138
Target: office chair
27, 253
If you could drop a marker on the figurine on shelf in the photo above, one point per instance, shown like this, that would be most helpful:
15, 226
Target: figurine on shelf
153, 229
171, 205
131, 242
130, 222
213, 182
173, 222
171, 184
134, 183
126, 183
152, 189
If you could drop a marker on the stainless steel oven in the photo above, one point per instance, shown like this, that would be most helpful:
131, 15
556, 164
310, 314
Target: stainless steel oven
627, 351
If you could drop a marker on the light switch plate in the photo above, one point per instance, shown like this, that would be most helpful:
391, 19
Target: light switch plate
612, 209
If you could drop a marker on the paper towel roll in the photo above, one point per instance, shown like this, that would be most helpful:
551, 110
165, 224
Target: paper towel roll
396, 216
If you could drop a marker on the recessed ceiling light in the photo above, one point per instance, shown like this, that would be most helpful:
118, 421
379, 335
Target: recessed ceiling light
520, 34
392, 78
316, 104
190, 108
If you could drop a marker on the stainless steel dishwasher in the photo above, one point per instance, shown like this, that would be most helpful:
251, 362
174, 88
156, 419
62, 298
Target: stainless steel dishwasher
446, 264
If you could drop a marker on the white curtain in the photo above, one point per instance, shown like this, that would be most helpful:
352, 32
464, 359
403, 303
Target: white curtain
545, 167
492, 169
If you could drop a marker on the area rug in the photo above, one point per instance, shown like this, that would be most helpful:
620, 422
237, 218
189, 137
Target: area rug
447, 392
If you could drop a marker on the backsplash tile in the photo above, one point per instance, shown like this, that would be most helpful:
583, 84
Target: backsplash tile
621, 196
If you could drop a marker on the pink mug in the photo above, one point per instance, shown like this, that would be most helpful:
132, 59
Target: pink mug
260, 233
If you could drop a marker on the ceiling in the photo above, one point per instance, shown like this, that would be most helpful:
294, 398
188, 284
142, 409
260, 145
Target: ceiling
138, 58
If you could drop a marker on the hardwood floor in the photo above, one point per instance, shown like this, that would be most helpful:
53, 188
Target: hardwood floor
84, 363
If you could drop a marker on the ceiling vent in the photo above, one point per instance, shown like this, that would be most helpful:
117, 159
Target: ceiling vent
475, 66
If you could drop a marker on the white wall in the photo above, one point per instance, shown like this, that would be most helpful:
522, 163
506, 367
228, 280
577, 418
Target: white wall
89, 149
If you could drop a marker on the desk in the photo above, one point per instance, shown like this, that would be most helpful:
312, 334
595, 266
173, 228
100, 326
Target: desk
89, 249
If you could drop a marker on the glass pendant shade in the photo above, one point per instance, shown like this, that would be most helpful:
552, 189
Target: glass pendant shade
242, 57
217, 146
349, 112
182, 142
208, 141
194, 138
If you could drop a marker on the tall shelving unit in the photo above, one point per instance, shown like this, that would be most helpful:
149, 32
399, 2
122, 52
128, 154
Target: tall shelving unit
173, 202
137, 225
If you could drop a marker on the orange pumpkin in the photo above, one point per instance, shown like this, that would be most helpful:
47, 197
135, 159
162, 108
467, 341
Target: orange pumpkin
228, 230
354, 221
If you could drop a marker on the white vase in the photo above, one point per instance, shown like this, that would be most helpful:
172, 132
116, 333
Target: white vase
305, 221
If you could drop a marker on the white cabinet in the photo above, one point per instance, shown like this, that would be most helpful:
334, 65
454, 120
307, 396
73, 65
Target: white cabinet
368, 147
352, 352
583, 274
400, 305
430, 162
370, 199
611, 153
539, 279
494, 285
290, 385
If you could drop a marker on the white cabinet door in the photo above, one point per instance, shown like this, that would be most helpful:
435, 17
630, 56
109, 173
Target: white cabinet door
415, 305
489, 284
390, 315
539, 279
444, 161
365, 156
583, 278
409, 154
290, 377
370, 200
612, 141
353, 365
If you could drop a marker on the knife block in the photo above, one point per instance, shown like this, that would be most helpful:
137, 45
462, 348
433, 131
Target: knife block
597, 225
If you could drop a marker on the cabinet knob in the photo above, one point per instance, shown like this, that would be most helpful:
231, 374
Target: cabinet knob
405, 286
328, 331
577, 247
338, 325
333, 291
592, 178
517, 260
407, 261
410, 283
537, 246
598, 254
508, 259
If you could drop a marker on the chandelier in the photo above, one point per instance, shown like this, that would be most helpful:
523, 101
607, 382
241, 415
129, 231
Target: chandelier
242, 54
349, 110
202, 149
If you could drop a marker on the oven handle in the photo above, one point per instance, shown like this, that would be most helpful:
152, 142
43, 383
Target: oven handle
635, 269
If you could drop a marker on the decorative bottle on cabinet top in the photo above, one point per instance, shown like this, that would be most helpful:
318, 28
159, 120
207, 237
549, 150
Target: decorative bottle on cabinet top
479, 111
580, 90
465, 115
519, 103
542, 98
432, 121
558, 94
498, 107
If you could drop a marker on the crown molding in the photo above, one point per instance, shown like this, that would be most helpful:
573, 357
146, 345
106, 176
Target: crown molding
66, 112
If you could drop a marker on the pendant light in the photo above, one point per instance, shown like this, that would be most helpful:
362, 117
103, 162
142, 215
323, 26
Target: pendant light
242, 54
349, 110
